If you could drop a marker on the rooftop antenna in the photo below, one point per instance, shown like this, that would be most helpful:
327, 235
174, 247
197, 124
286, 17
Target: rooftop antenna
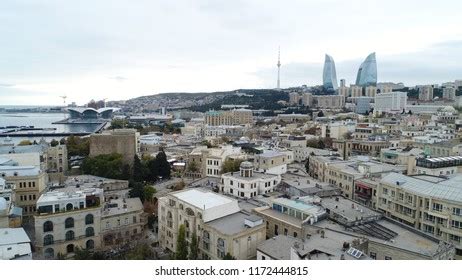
279, 68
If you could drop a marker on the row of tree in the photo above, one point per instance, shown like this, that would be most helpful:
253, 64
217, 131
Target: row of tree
185, 251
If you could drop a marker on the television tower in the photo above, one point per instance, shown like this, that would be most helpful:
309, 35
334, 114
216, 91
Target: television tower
279, 68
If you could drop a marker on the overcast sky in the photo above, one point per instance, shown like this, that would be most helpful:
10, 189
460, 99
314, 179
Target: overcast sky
122, 49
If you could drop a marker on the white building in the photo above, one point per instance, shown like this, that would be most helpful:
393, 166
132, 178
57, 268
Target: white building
390, 102
14, 244
246, 183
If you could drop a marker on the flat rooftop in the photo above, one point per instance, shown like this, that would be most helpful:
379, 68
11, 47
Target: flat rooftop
346, 208
231, 224
202, 199
123, 206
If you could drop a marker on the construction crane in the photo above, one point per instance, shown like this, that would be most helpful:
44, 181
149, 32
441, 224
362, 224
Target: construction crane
64, 101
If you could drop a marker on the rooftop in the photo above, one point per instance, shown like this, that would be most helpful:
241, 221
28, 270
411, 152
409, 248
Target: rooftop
121, 206
231, 224
25, 170
448, 190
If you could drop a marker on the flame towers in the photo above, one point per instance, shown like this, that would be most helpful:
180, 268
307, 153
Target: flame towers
367, 73
329, 75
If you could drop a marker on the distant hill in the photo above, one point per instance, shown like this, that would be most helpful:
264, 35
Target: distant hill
204, 101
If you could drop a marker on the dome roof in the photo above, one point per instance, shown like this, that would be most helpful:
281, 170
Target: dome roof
246, 165
2, 203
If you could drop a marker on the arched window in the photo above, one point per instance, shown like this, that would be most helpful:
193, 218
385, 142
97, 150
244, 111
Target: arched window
48, 240
89, 219
189, 212
49, 253
69, 223
206, 235
186, 224
89, 232
70, 235
47, 226
69, 207
70, 248
169, 215
90, 244
220, 243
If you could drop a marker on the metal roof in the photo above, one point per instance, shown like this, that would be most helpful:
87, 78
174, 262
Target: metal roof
447, 190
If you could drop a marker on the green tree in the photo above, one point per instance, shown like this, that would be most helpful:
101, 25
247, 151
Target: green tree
163, 165
136, 189
231, 165
192, 166
108, 166
139, 170
193, 247
181, 244
54, 143
78, 146
149, 193
25, 143
228, 256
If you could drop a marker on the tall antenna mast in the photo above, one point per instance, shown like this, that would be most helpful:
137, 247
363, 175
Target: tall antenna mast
279, 68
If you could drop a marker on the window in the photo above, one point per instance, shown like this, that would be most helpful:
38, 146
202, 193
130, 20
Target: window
89, 219
48, 240
70, 235
373, 255
276, 231
388, 258
89, 232
134, 219
457, 211
90, 244
295, 234
69, 223
70, 248
437, 207
49, 253
47, 226
69, 207
456, 224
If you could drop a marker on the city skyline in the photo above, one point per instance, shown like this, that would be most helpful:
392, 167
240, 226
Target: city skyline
130, 52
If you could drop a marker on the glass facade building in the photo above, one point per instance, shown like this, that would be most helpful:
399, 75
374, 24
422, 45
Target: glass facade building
329, 75
367, 73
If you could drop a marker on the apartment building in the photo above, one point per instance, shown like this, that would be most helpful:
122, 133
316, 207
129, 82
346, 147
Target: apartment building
434, 207
89, 214
232, 117
29, 183
220, 225
272, 162
440, 166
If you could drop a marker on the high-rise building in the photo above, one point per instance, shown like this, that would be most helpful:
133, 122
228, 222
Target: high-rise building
426, 93
390, 102
329, 75
356, 91
367, 73
449, 93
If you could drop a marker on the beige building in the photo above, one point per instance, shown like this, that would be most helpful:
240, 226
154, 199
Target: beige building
356, 91
432, 207
120, 141
344, 91
329, 101
232, 117
449, 93
371, 91
65, 221
29, 183
272, 162
426, 93
219, 223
